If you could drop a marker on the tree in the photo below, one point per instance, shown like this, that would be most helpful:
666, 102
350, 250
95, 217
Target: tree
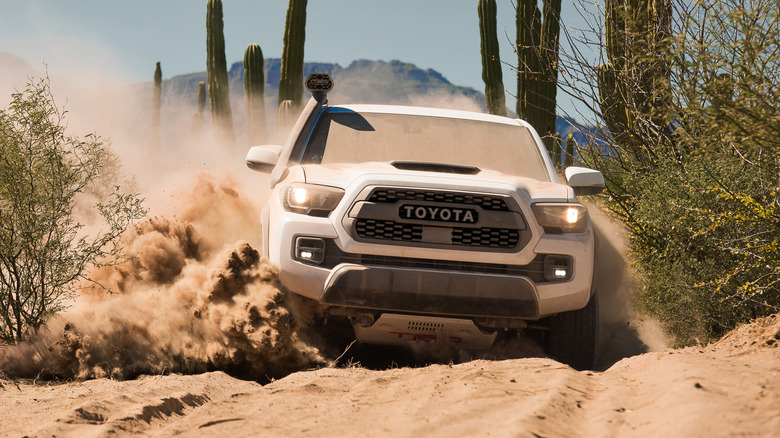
45, 176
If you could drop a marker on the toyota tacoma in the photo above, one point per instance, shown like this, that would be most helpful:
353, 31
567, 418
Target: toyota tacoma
414, 224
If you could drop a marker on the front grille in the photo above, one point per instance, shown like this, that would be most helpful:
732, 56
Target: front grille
487, 202
390, 215
492, 237
380, 229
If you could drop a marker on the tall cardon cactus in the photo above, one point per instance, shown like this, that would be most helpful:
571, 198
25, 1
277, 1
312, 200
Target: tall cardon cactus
635, 83
156, 106
284, 119
495, 97
197, 118
571, 144
291, 81
216, 67
537, 71
254, 89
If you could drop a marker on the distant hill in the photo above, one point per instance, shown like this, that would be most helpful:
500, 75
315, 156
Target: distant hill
362, 81
13, 74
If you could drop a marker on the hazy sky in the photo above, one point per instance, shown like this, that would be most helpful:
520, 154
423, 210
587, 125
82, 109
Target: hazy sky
120, 41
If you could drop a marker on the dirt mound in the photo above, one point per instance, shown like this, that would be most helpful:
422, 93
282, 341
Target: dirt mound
761, 333
702, 391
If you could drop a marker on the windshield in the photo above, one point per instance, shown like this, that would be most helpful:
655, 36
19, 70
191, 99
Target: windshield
345, 136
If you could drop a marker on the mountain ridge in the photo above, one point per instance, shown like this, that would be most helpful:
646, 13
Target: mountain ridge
396, 78
368, 81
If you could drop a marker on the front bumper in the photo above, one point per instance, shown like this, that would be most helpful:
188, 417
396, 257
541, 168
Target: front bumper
431, 292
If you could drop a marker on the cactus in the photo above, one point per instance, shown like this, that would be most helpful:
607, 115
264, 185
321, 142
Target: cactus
537, 73
216, 67
197, 118
571, 144
254, 83
634, 85
554, 146
528, 27
495, 97
284, 119
291, 81
201, 97
156, 104
549, 64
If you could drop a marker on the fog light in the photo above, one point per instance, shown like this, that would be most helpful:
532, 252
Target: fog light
310, 250
557, 267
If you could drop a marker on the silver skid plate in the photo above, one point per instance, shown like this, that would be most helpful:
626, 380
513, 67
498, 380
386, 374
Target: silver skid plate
401, 330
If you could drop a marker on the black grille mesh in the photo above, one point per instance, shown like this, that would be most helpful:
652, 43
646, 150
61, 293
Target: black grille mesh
381, 229
390, 195
390, 228
492, 237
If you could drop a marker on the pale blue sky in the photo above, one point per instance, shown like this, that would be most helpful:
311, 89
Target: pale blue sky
119, 41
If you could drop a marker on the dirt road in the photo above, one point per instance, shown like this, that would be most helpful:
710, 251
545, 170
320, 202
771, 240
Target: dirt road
731, 388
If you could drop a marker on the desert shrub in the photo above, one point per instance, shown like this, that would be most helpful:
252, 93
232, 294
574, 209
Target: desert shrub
704, 237
49, 183
695, 176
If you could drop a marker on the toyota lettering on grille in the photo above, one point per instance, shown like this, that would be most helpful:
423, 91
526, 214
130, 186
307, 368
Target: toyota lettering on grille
438, 214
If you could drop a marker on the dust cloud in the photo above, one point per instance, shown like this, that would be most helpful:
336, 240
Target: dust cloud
623, 331
193, 294
184, 303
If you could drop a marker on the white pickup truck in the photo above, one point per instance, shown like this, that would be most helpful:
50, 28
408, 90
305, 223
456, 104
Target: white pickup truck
416, 224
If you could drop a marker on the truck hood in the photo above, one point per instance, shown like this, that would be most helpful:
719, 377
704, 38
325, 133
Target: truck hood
344, 175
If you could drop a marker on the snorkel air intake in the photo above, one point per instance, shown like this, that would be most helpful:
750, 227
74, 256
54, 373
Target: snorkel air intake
319, 84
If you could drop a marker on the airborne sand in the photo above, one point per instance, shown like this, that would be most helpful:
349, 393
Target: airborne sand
188, 301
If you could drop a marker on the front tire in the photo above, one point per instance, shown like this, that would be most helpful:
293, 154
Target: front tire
574, 336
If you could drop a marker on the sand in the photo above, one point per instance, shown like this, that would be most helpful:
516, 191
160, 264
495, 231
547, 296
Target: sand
729, 388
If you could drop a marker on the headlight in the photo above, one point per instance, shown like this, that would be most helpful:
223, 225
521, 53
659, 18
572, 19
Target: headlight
311, 199
561, 218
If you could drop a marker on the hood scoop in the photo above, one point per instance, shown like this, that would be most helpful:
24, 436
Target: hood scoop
436, 167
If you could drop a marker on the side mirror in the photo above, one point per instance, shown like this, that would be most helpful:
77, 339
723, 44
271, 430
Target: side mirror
584, 181
263, 158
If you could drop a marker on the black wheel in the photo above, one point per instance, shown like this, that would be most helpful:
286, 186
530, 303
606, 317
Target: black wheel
574, 336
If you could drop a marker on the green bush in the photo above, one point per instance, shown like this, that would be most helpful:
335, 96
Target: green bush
705, 238
700, 196
45, 177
